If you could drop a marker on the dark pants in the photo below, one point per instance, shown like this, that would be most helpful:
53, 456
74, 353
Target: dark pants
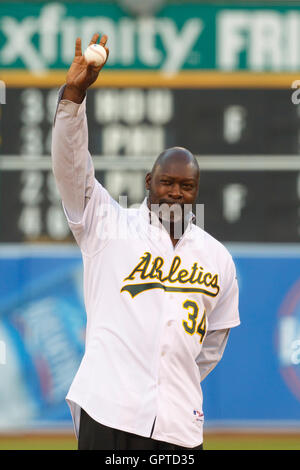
96, 436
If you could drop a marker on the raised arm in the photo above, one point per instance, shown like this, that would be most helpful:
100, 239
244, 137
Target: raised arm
71, 161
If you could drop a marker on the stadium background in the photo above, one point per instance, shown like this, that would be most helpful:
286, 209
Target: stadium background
215, 77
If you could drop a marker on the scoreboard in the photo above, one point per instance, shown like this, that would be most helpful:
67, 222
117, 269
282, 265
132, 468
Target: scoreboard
251, 203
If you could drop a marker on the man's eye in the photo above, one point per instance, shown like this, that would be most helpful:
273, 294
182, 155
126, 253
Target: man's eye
165, 182
187, 186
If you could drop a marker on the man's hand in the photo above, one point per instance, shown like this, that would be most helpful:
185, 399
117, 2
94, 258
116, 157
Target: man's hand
81, 75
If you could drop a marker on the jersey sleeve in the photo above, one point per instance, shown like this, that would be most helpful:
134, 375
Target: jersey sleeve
99, 223
90, 211
225, 314
212, 351
71, 161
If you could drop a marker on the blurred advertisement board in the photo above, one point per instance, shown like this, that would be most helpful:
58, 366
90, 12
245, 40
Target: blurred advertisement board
42, 330
187, 36
258, 381
42, 325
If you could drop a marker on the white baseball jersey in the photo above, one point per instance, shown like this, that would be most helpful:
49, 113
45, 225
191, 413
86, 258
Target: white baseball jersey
154, 311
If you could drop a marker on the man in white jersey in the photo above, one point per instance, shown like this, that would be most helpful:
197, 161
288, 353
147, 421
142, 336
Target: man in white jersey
160, 293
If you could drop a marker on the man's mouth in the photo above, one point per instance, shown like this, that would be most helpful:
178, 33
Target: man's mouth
170, 210
172, 203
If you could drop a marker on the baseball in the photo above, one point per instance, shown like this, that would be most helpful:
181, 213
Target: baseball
95, 53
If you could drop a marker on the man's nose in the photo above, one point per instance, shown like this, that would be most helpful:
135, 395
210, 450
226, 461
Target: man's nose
175, 191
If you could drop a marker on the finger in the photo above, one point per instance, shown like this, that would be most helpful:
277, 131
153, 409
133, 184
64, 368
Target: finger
94, 39
103, 40
78, 47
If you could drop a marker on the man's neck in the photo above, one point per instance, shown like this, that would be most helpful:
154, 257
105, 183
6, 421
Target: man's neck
175, 230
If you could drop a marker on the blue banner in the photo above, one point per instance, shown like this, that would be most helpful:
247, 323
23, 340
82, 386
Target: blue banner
258, 380
42, 325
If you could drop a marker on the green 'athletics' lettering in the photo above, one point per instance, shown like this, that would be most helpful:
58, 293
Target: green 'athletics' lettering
196, 275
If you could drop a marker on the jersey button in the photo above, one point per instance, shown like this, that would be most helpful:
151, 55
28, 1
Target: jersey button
169, 323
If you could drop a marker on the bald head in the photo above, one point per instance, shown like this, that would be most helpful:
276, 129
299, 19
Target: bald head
174, 178
176, 157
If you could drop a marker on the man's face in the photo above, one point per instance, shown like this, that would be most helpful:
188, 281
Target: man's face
174, 183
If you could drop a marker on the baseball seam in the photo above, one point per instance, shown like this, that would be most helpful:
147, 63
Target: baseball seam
97, 52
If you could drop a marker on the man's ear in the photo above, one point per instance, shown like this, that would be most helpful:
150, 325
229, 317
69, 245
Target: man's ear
148, 180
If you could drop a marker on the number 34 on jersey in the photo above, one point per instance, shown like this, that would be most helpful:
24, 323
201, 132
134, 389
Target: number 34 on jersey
192, 323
